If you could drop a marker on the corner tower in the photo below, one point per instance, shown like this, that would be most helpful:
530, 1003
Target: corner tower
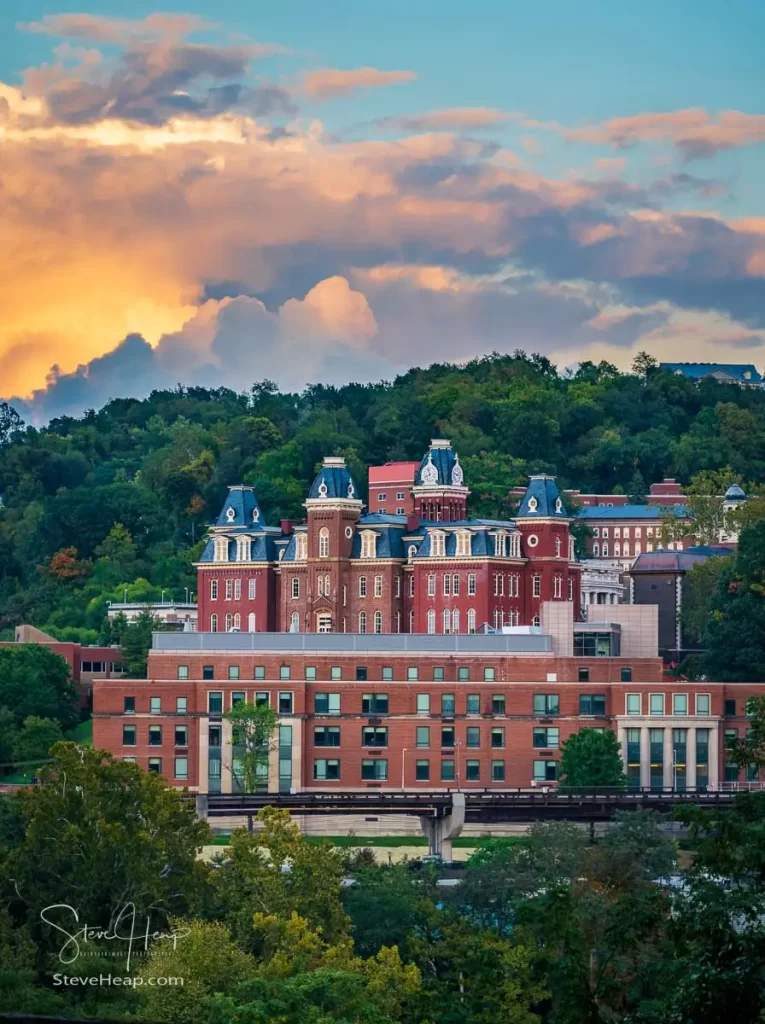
439, 490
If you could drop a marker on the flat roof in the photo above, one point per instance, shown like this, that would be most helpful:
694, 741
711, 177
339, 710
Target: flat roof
348, 643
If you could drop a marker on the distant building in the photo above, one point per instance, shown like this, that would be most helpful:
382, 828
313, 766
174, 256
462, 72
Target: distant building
390, 488
173, 614
623, 532
668, 492
743, 374
602, 582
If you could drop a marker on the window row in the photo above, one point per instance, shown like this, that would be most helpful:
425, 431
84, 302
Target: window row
376, 770
180, 766
284, 702
233, 589
657, 702
180, 734
361, 673
232, 623
377, 736
155, 705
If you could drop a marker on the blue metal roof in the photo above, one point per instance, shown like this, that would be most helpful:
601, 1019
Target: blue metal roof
630, 511
334, 480
695, 371
439, 467
542, 500
240, 509
262, 548
735, 493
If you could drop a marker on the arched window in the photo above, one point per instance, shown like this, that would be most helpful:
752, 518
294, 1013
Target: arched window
535, 621
320, 586
618, 549
471, 620
301, 546
362, 622
324, 542
411, 621
378, 622
229, 622
251, 622
625, 549
447, 621
362, 586
455, 621
431, 621
237, 621
412, 551
295, 623
213, 623
327, 590
557, 547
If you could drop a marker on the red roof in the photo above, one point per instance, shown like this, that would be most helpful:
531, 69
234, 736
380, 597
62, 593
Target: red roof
393, 473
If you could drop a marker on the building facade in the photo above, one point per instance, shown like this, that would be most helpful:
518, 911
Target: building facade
432, 570
483, 711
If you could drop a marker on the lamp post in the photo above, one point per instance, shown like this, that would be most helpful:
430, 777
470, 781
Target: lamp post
403, 763
458, 745
162, 599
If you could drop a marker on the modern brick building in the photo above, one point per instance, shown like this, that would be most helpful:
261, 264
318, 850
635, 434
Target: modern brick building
488, 710
390, 487
432, 570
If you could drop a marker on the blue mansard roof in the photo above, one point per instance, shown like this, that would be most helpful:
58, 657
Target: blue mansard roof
745, 373
262, 547
241, 509
631, 511
334, 480
542, 500
440, 467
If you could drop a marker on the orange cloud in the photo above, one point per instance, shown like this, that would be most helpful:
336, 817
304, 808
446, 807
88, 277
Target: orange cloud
326, 83
99, 29
450, 119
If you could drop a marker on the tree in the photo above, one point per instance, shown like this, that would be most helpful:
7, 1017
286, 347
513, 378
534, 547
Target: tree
699, 589
35, 681
136, 644
101, 834
11, 424
253, 727
735, 635
36, 738
592, 758
709, 519
636, 489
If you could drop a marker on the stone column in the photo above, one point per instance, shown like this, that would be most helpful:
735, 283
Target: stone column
669, 759
690, 759
645, 758
226, 757
203, 759
714, 755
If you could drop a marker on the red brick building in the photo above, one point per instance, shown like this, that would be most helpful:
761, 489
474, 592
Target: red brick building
488, 710
431, 570
390, 487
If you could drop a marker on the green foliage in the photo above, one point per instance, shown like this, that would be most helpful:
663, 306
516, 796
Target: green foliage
699, 589
735, 635
253, 727
592, 757
36, 738
135, 644
35, 681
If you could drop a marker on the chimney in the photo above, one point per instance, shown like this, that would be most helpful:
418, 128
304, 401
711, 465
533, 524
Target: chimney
287, 526
412, 523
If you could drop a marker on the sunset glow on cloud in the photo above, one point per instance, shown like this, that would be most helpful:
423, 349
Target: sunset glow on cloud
183, 202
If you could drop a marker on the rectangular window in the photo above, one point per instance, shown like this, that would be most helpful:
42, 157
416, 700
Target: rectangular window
128, 706
213, 590
489, 675
285, 703
537, 586
423, 703
422, 771
471, 584
423, 736
679, 703
626, 675
546, 737
498, 737
260, 672
229, 589
128, 735
181, 769
447, 736
546, 703
374, 736
155, 765
251, 590
310, 673
183, 671
237, 590
463, 675
215, 703
447, 770
498, 704
633, 702
208, 672
374, 704
592, 704
656, 703
325, 770
181, 736
238, 697
361, 673
545, 771
438, 674
155, 735
362, 586
447, 703
378, 586
412, 674
584, 675
262, 699
326, 736
473, 736
703, 702
181, 704
730, 708
285, 672
473, 704
473, 771
497, 771
447, 585
376, 770
326, 703
387, 674
335, 672
233, 671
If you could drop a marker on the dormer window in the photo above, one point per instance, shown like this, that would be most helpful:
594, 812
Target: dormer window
322, 490
243, 545
368, 544
533, 504
221, 549
500, 544
437, 544
230, 514
464, 544
515, 545
412, 552
301, 547
558, 505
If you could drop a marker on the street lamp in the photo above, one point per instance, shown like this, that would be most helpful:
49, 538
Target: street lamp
403, 755
458, 745
162, 599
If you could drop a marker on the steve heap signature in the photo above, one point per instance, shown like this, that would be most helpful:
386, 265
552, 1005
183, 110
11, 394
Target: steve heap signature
124, 929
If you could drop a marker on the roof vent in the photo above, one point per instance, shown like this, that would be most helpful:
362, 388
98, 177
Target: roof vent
333, 462
440, 442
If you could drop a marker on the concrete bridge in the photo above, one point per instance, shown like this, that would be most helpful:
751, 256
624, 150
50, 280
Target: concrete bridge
443, 814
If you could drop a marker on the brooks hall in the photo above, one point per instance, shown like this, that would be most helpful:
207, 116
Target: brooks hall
410, 648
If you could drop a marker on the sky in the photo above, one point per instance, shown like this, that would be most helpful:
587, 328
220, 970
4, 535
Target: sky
220, 193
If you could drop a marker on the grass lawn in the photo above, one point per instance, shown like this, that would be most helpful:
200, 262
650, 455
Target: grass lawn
82, 733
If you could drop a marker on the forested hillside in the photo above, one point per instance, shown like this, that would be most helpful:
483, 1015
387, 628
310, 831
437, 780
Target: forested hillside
119, 500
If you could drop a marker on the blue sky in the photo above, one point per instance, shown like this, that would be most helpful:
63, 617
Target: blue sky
646, 231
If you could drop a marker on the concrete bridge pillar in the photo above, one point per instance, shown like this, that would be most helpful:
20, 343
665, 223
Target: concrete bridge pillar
441, 831
201, 806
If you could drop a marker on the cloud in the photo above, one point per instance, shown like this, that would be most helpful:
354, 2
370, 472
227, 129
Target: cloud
448, 120
693, 131
99, 29
326, 83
